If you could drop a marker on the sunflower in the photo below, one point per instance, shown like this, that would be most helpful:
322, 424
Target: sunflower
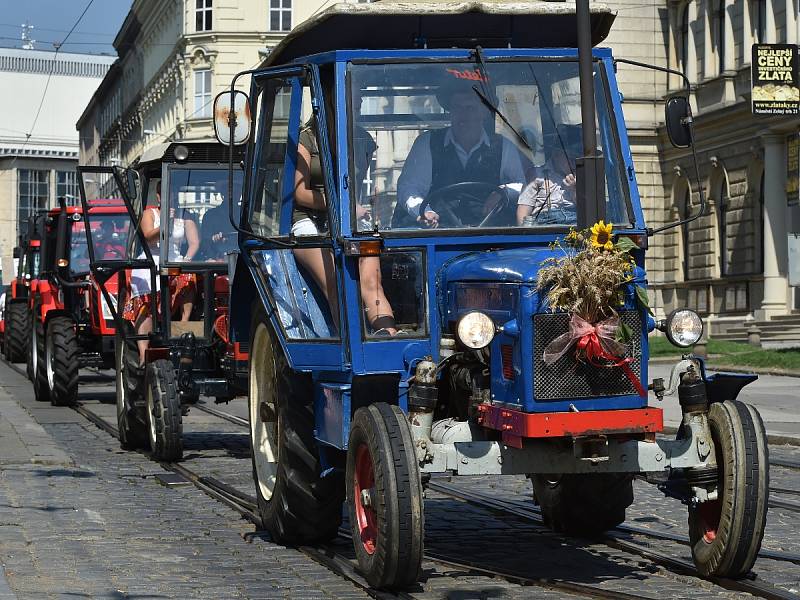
601, 236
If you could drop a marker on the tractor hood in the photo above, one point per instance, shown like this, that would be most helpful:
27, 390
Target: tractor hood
514, 265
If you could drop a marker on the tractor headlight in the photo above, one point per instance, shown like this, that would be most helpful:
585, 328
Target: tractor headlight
475, 330
683, 327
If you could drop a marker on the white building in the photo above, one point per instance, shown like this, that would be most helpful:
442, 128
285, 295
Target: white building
174, 57
42, 97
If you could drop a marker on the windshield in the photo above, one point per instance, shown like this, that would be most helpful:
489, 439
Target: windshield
463, 145
200, 229
109, 240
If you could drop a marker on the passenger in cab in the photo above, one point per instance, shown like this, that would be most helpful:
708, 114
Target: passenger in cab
466, 151
550, 197
219, 235
183, 288
310, 218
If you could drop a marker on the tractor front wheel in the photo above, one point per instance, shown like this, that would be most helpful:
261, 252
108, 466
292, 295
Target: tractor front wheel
129, 383
61, 361
164, 411
384, 494
726, 533
584, 505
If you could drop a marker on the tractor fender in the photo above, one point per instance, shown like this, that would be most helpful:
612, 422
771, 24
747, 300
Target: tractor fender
726, 386
242, 293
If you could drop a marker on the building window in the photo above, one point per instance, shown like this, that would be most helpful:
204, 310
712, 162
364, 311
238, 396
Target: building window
202, 94
67, 187
202, 15
721, 35
722, 225
33, 193
280, 15
684, 39
761, 21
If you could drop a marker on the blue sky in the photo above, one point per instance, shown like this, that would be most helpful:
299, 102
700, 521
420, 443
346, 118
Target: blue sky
52, 19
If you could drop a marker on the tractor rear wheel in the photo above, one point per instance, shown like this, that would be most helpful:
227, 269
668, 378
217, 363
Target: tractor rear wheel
164, 411
726, 533
40, 388
297, 505
61, 361
16, 336
584, 505
384, 495
129, 384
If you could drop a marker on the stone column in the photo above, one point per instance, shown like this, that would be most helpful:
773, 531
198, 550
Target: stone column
772, 26
791, 21
730, 42
747, 31
776, 288
709, 66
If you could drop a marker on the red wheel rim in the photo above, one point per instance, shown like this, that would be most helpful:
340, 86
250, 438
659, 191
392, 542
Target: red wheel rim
366, 518
709, 513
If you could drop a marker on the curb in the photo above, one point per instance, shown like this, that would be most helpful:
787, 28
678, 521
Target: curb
778, 440
732, 369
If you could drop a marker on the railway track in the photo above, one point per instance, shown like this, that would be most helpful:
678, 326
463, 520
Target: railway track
245, 505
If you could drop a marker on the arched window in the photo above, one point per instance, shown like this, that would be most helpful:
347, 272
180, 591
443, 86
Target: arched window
684, 38
722, 224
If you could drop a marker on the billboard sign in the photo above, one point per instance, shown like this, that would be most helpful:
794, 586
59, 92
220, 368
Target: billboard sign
774, 85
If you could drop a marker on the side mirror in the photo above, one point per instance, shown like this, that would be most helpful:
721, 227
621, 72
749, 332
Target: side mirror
16, 252
232, 107
678, 117
128, 181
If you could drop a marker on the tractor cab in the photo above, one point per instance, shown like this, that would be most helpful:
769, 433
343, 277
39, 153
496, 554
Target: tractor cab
171, 284
442, 269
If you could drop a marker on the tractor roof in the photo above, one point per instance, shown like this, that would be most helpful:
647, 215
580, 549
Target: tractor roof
386, 25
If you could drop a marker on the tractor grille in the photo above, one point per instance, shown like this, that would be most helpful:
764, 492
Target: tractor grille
567, 378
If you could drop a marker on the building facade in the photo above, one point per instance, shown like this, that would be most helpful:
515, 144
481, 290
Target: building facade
42, 96
731, 263
174, 57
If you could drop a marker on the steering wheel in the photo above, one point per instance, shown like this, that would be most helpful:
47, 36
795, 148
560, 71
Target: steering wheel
464, 198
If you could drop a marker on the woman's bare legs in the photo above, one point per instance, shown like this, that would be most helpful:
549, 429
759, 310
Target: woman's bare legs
144, 327
375, 301
319, 263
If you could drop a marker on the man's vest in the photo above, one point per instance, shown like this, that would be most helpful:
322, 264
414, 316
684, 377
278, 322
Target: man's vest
446, 169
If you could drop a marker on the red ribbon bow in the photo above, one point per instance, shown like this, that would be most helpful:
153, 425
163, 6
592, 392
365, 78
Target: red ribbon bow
597, 343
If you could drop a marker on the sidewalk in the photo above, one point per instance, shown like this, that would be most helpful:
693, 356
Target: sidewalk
23, 441
777, 399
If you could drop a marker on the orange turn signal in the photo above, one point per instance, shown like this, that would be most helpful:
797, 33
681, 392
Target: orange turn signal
174, 271
63, 262
363, 248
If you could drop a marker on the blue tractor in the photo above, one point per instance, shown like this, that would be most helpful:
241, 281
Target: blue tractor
420, 188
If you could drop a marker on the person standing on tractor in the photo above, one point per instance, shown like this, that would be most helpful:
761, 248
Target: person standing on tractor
183, 289
462, 152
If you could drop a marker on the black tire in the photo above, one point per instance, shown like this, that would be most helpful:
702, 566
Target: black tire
726, 533
129, 379
388, 526
17, 334
32, 359
40, 388
61, 361
584, 505
296, 504
164, 411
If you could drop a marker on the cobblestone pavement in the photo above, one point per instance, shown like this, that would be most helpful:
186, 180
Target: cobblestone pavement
92, 521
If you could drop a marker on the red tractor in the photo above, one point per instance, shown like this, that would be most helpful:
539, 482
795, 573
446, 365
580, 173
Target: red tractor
16, 313
72, 323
